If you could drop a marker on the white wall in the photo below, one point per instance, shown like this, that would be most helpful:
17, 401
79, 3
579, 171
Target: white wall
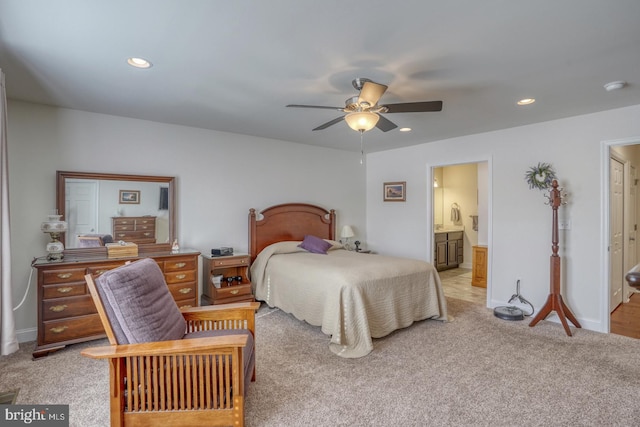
520, 223
220, 176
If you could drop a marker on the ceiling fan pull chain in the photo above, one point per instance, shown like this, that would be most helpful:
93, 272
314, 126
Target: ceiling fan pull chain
361, 149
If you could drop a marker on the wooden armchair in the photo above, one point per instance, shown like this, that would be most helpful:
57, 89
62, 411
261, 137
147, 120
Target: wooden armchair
167, 366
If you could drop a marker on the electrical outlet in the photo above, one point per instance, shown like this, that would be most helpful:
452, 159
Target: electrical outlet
564, 224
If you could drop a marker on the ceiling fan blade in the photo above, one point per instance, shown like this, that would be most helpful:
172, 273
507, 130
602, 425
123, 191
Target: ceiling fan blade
414, 107
384, 124
331, 123
371, 93
316, 106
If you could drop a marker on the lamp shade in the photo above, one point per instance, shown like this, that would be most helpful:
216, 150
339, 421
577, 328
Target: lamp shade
54, 225
347, 231
362, 121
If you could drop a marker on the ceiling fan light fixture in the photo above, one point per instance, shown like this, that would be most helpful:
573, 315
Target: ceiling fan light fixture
362, 121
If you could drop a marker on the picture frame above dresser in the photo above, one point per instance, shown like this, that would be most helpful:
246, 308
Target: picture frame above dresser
91, 202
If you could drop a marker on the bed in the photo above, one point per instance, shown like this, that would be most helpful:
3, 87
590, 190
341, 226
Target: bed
353, 297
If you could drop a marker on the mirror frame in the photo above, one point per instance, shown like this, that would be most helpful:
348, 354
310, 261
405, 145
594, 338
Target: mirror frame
61, 177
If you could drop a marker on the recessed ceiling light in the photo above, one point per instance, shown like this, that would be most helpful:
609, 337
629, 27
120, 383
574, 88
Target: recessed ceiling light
526, 101
615, 85
405, 129
139, 62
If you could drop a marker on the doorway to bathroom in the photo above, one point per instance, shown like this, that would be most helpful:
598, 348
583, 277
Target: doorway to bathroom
621, 181
460, 229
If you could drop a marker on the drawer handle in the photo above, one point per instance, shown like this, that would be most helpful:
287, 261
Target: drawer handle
144, 222
121, 235
147, 234
234, 291
124, 222
185, 290
59, 329
180, 264
64, 275
180, 276
58, 308
186, 306
99, 272
65, 290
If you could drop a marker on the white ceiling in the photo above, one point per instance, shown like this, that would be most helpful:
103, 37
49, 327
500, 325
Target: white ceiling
233, 65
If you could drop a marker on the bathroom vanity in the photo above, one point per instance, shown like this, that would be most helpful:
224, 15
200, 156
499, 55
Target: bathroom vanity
449, 249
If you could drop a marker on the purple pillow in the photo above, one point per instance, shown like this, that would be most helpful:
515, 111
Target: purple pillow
315, 245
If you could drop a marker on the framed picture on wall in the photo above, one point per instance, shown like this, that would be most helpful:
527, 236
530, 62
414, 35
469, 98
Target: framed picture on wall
131, 197
395, 191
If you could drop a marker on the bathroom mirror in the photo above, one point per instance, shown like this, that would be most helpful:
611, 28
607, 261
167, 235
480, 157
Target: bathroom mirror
93, 204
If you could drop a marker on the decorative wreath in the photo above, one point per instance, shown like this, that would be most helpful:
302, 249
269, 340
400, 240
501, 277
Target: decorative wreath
540, 176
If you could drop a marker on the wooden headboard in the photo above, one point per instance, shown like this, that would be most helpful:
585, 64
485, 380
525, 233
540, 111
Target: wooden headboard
291, 221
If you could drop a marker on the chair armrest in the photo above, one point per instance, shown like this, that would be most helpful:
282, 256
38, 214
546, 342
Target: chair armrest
211, 345
242, 310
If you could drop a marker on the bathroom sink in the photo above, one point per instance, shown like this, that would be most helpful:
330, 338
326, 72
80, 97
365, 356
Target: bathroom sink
449, 228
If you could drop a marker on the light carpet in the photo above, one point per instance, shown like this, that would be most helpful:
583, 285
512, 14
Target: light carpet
475, 371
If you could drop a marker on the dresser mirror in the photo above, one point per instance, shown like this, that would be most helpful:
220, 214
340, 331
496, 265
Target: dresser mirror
101, 207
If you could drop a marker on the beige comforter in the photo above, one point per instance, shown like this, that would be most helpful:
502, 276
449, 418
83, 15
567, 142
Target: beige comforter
351, 296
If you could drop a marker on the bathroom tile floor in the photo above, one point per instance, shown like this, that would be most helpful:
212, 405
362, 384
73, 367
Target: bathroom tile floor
456, 283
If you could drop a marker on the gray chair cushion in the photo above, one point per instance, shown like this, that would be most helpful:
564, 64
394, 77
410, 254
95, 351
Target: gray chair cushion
139, 305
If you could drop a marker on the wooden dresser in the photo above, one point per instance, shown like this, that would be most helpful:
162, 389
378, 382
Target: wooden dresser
134, 229
66, 313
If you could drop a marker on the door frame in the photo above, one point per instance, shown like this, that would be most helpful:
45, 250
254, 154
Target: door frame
613, 156
605, 235
430, 218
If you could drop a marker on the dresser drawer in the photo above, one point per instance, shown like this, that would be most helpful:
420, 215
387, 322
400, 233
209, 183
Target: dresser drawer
59, 308
124, 227
181, 291
69, 329
99, 270
180, 264
232, 291
180, 276
229, 262
188, 303
63, 276
64, 290
146, 223
146, 227
123, 221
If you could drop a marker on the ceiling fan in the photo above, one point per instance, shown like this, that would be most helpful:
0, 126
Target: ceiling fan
364, 112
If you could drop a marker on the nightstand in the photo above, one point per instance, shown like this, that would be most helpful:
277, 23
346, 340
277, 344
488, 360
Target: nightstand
231, 268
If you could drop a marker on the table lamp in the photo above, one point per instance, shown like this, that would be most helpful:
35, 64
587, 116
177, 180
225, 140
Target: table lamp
54, 226
346, 234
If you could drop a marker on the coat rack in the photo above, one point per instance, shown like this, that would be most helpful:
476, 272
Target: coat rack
554, 301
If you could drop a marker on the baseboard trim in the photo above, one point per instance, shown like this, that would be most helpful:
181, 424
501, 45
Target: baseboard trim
26, 335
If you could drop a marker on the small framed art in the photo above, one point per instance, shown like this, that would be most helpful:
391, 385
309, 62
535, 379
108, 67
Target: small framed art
130, 197
395, 191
